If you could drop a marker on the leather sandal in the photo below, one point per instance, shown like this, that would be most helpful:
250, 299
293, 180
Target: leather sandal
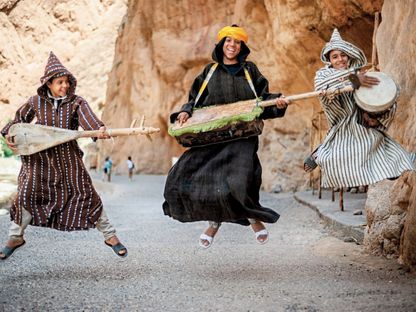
310, 161
117, 248
8, 251
205, 237
263, 232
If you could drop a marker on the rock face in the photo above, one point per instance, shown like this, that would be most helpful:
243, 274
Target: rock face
384, 219
163, 46
391, 206
81, 33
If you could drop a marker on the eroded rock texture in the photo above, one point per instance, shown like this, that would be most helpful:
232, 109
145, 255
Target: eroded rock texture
81, 33
391, 206
164, 45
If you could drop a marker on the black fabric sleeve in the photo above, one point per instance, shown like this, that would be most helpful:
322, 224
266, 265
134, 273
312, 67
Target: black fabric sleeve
189, 106
261, 84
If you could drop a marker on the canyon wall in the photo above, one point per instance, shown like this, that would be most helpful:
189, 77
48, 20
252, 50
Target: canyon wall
391, 205
81, 33
163, 46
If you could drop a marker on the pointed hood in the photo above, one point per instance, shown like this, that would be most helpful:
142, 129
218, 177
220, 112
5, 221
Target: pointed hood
356, 56
54, 69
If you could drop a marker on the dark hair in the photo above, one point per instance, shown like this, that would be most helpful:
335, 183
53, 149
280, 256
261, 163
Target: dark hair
129, 158
54, 77
50, 80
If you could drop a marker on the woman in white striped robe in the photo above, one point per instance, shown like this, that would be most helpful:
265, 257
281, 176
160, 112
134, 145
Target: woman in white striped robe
356, 150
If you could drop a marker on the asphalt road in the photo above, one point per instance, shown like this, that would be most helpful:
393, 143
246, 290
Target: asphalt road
301, 268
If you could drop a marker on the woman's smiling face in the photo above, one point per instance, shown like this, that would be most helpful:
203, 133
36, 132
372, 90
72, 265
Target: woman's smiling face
338, 59
231, 49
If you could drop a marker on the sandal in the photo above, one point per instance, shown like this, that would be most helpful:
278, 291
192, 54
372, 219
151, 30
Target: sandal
8, 251
213, 226
205, 237
392, 179
310, 161
117, 248
263, 232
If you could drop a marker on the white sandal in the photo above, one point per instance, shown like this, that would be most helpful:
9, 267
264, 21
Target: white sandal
205, 237
263, 232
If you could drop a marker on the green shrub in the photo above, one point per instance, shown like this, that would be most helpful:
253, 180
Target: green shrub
5, 151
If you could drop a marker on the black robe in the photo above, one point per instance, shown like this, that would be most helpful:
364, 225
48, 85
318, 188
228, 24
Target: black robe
221, 182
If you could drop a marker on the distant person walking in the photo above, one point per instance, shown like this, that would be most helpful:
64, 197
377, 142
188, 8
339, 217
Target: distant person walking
108, 165
130, 168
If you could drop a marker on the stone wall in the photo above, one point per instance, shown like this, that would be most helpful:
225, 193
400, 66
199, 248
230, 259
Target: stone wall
391, 206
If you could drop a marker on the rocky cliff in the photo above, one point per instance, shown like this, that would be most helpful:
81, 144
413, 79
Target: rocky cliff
81, 33
391, 206
162, 47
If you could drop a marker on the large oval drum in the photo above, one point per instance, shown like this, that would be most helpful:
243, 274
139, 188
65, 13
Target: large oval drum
378, 98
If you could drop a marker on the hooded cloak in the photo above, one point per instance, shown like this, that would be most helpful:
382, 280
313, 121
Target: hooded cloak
54, 185
352, 153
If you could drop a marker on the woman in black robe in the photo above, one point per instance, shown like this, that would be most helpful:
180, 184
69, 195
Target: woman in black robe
221, 182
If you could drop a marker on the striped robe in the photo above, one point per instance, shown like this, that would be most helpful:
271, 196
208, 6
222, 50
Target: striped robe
353, 154
54, 185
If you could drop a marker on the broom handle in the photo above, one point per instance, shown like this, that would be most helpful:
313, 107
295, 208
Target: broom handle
308, 95
118, 132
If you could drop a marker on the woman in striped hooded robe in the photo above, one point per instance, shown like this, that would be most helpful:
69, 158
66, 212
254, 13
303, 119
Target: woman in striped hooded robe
221, 182
54, 187
356, 150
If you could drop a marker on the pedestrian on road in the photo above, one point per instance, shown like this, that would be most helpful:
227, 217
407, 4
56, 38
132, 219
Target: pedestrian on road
54, 187
108, 166
356, 151
221, 182
130, 168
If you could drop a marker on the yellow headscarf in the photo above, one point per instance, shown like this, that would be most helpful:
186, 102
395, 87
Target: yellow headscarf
233, 32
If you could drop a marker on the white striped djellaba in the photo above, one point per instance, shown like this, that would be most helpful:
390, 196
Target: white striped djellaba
353, 154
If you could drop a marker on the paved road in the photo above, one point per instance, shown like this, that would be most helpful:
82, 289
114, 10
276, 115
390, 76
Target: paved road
302, 268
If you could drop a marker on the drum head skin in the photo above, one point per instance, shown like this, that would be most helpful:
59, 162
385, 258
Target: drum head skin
377, 98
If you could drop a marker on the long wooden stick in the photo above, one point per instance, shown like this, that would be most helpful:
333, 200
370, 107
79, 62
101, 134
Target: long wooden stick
118, 132
374, 57
309, 95
30, 138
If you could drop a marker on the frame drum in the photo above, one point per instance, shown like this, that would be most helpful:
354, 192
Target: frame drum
378, 98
